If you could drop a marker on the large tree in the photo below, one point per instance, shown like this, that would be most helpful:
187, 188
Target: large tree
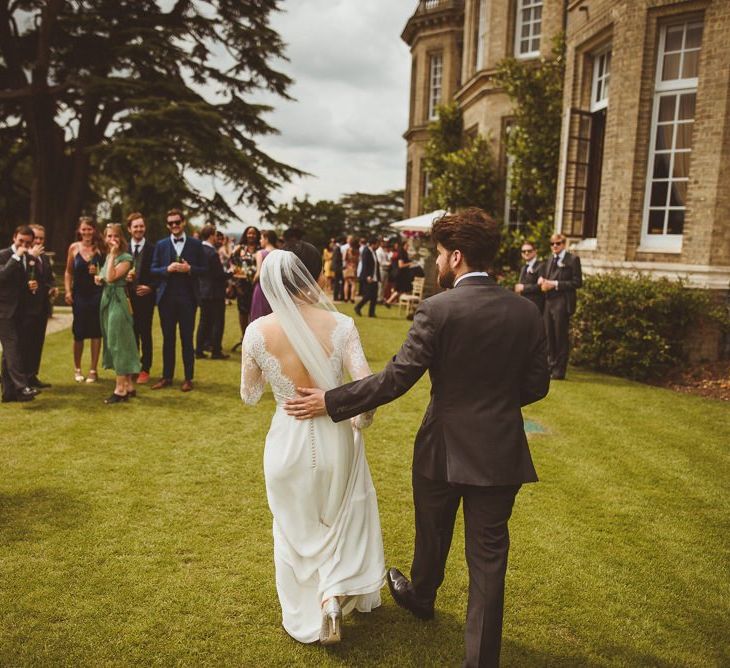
132, 97
372, 214
320, 220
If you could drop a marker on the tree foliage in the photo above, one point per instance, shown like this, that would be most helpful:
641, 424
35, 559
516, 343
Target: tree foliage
461, 173
129, 98
360, 214
536, 89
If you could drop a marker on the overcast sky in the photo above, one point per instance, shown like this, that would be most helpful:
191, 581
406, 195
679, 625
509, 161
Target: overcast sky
351, 80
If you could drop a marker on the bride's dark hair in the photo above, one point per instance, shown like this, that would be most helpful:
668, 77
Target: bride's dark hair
309, 256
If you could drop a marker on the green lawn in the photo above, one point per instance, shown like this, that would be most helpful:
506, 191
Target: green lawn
140, 534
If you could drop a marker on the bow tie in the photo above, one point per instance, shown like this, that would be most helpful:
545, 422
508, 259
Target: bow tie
179, 241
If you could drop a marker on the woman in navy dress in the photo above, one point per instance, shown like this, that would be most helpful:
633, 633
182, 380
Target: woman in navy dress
84, 259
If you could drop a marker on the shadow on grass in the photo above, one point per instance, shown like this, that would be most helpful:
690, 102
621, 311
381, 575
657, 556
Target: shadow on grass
519, 654
29, 515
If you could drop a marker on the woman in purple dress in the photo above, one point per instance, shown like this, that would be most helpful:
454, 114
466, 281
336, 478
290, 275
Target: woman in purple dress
259, 306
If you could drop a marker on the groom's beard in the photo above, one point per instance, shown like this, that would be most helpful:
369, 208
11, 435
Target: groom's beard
446, 279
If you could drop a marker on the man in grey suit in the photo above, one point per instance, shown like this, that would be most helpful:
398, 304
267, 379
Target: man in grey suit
484, 348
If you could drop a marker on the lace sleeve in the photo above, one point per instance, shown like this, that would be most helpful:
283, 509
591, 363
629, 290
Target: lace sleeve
252, 379
357, 366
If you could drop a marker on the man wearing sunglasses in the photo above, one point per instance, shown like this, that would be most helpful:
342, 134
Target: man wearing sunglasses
560, 279
177, 263
529, 274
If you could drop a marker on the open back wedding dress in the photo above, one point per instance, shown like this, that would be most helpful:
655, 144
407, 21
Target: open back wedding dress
327, 539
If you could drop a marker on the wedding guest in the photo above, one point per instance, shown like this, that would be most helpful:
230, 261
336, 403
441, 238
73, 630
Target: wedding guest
383, 257
259, 306
560, 279
85, 257
38, 306
117, 323
177, 262
351, 260
337, 266
529, 274
212, 290
141, 289
327, 270
14, 289
243, 265
369, 277
403, 278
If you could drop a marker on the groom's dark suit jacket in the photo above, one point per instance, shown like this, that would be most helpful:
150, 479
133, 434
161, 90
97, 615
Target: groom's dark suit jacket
484, 348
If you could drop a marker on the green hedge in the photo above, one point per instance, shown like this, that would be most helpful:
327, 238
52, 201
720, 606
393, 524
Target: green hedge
635, 326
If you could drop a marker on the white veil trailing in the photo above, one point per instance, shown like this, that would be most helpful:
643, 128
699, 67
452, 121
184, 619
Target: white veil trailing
288, 287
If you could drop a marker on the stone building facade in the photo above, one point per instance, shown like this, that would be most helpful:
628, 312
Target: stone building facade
643, 178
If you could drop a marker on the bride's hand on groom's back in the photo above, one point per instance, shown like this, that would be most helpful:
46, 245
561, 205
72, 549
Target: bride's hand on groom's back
308, 404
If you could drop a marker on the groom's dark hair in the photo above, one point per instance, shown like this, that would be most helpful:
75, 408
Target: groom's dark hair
472, 231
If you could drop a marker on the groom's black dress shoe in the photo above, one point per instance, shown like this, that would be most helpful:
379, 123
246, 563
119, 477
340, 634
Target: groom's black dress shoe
402, 591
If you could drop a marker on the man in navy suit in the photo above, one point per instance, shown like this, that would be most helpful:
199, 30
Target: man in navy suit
369, 277
212, 289
177, 263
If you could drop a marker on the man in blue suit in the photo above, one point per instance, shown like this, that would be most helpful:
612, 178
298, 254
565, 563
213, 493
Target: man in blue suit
177, 262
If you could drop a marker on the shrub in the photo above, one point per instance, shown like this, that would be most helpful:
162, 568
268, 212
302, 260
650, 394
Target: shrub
635, 326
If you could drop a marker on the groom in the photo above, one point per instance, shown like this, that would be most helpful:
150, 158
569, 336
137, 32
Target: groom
484, 348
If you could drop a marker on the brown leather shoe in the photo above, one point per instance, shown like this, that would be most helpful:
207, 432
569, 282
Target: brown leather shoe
402, 592
163, 382
187, 386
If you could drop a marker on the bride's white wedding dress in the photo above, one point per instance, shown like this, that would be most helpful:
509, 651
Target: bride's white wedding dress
327, 539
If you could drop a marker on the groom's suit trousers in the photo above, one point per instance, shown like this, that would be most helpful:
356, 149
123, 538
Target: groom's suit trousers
486, 512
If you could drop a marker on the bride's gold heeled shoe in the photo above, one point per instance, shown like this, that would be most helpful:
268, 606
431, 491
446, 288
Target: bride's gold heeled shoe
331, 631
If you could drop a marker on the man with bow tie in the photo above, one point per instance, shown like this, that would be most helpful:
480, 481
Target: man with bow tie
527, 285
177, 263
560, 279
14, 290
141, 289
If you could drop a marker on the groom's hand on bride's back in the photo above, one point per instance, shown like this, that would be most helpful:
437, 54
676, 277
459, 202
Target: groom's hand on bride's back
308, 404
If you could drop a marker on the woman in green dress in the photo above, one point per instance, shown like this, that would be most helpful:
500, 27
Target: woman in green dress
117, 327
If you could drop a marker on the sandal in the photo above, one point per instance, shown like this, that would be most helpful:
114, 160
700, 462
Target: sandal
78, 376
93, 377
116, 398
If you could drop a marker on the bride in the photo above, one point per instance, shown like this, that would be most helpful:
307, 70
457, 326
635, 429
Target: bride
328, 550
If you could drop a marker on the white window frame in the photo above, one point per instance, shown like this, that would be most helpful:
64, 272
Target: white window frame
601, 82
665, 243
481, 6
520, 6
435, 83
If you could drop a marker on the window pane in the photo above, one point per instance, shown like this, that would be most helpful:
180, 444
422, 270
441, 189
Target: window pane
678, 195
525, 30
664, 137
674, 39
690, 64
694, 38
681, 165
537, 13
656, 222
659, 194
661, 166
687, 106
670, 70
667, 106
675, 222
684, 135
535, 44
526, 15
